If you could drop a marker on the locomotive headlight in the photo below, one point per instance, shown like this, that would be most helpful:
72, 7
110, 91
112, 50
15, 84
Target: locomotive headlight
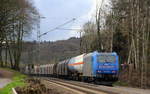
99, 71
113, 71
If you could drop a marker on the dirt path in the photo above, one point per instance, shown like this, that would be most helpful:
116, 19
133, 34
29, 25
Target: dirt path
4, 82
5, 73
5, 77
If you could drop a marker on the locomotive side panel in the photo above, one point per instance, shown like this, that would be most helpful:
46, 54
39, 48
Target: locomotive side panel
87, 67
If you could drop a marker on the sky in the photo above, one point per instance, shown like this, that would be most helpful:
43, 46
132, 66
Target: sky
57, 12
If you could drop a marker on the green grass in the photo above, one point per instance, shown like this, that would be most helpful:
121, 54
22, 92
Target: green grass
17, 80
120, 83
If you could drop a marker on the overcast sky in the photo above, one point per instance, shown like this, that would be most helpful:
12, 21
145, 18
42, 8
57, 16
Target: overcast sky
57, 12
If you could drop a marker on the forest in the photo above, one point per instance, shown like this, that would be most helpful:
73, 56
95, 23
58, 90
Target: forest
124, 29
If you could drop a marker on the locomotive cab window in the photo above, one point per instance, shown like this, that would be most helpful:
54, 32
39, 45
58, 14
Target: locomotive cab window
106, 59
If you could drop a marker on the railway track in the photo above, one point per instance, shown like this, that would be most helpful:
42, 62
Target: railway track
76, 87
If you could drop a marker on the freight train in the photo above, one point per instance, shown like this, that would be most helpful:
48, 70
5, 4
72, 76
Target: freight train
93, 66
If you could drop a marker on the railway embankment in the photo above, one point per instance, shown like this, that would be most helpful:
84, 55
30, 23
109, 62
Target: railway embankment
38, 86
90, 88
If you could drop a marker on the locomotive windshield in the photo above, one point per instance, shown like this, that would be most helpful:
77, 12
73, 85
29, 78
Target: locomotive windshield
106, 58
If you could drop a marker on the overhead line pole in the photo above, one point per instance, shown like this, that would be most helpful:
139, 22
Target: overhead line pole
38, 34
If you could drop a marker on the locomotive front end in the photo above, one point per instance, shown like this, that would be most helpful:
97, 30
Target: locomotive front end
107, 66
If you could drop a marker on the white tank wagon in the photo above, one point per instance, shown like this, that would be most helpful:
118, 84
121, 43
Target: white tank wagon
75, 64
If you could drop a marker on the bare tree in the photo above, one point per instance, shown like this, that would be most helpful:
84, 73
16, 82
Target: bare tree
18, 18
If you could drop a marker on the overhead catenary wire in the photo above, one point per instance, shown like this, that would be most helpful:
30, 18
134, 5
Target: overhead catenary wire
57, 27
68, 28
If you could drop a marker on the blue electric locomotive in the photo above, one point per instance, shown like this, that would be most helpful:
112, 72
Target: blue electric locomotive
101, 66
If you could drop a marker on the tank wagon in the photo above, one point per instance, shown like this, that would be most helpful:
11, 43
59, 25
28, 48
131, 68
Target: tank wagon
62, 68
75, 67
87, 67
